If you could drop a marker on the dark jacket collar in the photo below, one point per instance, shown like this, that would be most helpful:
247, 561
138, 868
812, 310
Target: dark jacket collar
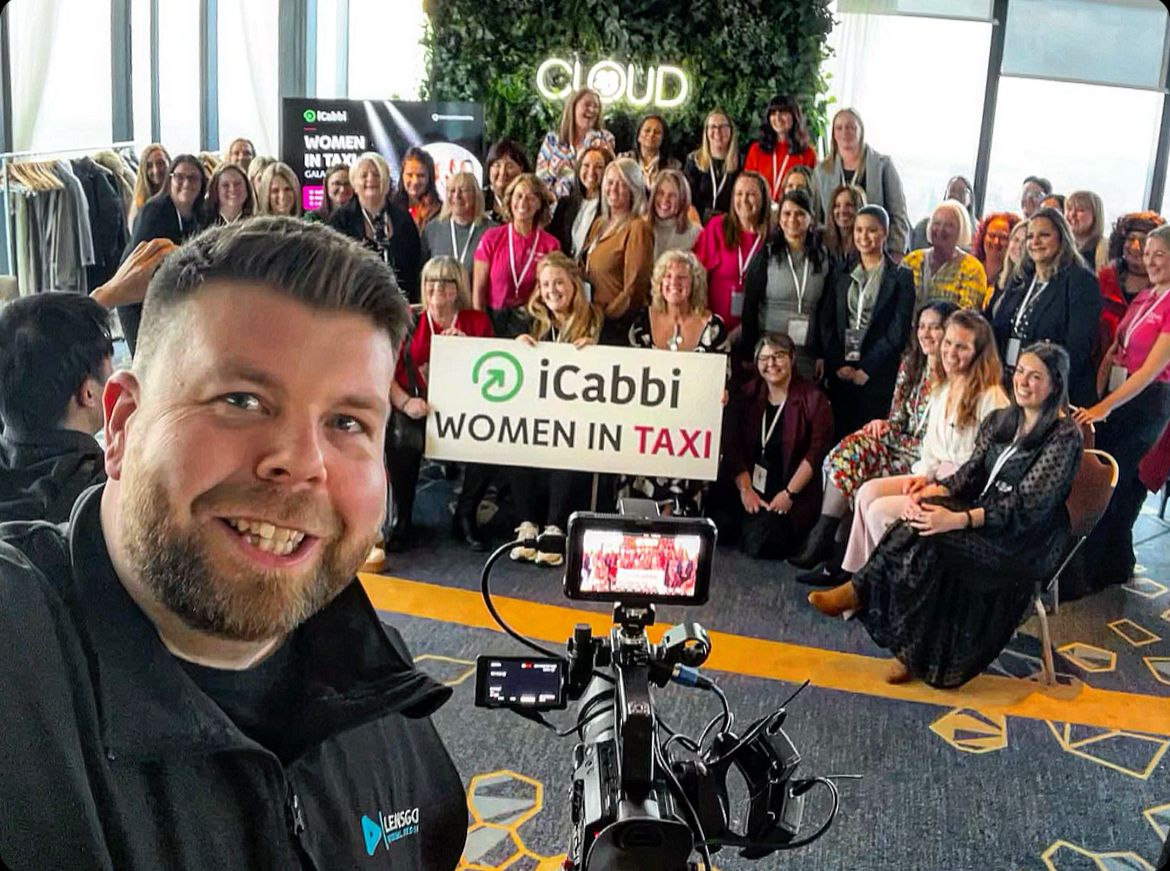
50, 441
354, 670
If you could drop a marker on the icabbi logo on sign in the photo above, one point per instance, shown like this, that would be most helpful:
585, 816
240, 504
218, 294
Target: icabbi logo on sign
664, 86
315, 116
499, 376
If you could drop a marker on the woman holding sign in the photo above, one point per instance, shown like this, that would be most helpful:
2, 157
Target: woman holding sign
677, 320
546, 497
1135, 376
506, 259
780, 428
446, 312
729, 243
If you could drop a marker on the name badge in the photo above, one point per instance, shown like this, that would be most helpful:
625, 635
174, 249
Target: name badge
760, 479
587, 288
853, 340
1117, 376
737, 303
798, 329
1013, 352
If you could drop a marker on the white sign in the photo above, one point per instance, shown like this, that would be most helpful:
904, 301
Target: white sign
594, 409
616, 82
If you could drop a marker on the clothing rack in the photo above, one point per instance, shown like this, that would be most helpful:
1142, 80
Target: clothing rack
9, 157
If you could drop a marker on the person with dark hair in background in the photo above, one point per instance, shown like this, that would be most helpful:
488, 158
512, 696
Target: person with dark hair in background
1053, 201
782, 289
505, 160
173, 213
863, 325
379, 225
338, 191
575, 214
957, 189
1032, 194
418, 191
652, 148
949, 584
1125, 275
55, 356
229, 196
1055, 298
844, 204
783, 144
1134, 378
851, 160
194, 645
712, 169
781, 427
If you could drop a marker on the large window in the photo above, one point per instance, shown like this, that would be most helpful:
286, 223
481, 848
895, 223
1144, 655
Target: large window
918, 84
61, 79
386, 59
248, 50
1086, 137
140, 68
330, 45
178, 75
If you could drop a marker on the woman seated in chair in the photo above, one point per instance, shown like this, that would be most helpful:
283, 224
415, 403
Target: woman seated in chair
949, 584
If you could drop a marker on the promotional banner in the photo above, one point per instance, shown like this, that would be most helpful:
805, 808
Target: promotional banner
594, 409
316, 134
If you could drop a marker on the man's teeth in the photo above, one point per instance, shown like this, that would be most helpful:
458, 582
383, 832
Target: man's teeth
267, 537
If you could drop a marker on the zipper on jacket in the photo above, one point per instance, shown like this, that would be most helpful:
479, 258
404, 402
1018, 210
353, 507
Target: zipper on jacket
293, 813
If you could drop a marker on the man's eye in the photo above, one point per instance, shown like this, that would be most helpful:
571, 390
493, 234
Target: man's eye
346, 423
245, 401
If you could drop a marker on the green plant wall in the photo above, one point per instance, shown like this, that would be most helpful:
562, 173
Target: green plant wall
738, 53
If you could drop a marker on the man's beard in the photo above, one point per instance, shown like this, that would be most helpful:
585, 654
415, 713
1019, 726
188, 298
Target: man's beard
249, 604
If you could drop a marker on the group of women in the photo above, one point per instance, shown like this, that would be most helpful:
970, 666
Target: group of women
905, 425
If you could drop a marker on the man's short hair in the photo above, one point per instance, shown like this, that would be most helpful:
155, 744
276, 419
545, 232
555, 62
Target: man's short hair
49, 344
305, 261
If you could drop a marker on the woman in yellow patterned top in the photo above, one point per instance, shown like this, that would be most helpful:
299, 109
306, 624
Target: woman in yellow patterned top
946, 270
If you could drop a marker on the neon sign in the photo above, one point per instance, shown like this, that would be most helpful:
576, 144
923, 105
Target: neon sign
664, 86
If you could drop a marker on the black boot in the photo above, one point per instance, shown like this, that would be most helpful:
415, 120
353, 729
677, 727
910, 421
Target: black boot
465, 529
819, 546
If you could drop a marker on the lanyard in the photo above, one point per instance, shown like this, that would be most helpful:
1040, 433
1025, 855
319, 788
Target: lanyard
716, 191
553, 334
801, 284
861, 298
925, 416
466, 245
1141, 319
998, 467
765, 435
1034, 290
744, 264
180, 220
777, 180
516, 279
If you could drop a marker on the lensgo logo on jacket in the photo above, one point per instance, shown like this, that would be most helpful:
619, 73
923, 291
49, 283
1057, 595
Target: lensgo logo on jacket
389, 828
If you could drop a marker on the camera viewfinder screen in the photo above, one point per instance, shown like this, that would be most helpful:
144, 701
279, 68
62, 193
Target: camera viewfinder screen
650, 564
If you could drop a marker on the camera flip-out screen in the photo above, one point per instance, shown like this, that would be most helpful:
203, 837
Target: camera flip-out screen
633, 560
533, 682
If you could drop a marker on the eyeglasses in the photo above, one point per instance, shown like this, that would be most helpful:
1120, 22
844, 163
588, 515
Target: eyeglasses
771, 359
715, 128
186, 178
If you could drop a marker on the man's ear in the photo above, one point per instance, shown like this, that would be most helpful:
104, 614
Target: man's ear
89, 394
121, 398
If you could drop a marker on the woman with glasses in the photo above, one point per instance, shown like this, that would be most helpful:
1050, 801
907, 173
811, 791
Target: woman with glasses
714, 167
781, 428
338, 192
461, 224
379, 225
173, 213
446, 312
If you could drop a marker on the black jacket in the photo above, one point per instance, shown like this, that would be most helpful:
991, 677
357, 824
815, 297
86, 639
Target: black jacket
405, 251
115, 759
702, 190
42, 473
561, 225
157, 219
1067, 312
107, 219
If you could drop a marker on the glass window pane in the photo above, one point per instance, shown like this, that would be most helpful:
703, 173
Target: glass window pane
1114, 43
1040, 129
140, 68
61, 71
178, 75
377, 31
332, 29
980, 9
932, 130
248, 104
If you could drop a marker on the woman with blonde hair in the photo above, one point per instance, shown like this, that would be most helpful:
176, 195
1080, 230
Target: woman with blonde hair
945, 270
153, 167
462, 223
545, 498
256, 167
279, 191
853, 161
1085, 213
677, 319
581, 126
713, 168
619, 249
670, 214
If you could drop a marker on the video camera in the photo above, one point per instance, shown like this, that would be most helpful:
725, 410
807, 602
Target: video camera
637, 804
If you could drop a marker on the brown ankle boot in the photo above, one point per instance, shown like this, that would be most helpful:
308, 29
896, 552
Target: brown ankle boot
835, 602
899, 673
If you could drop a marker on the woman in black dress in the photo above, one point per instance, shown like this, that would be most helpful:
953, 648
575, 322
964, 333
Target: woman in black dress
948, 585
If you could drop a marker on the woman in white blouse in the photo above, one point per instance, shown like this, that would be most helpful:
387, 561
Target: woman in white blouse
967, 389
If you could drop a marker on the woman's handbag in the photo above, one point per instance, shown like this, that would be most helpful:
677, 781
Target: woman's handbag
405, 433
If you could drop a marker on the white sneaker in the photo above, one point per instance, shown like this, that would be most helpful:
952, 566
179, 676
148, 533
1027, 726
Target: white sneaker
550, 546
526, 531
